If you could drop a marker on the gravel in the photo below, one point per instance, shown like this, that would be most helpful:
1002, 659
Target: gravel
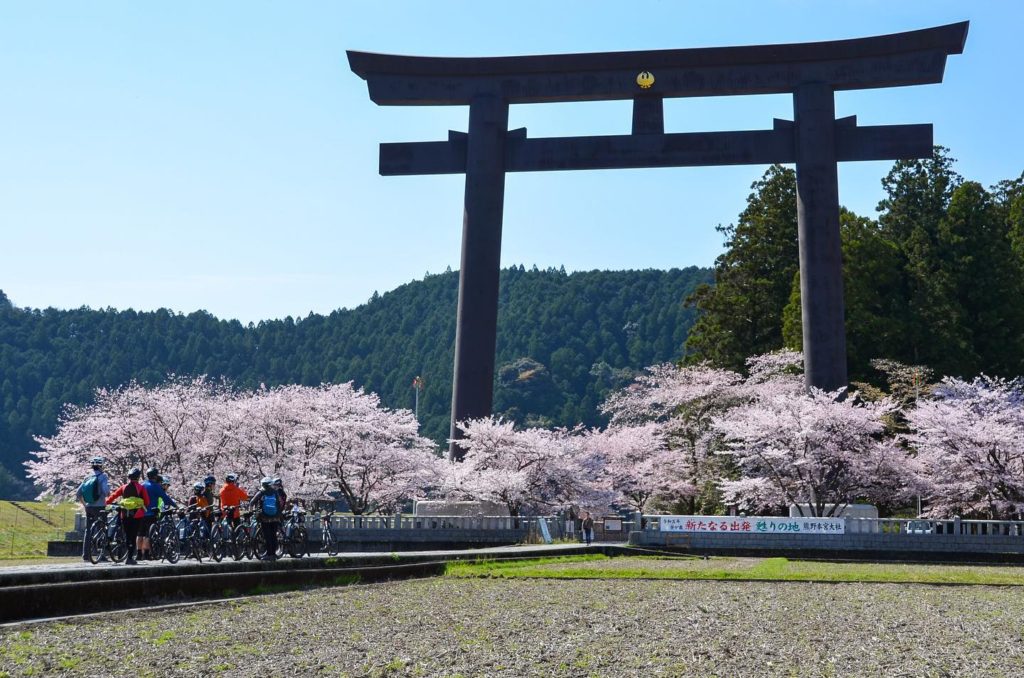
470, 627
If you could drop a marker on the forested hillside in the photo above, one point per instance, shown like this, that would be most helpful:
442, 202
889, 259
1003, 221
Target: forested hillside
563, 341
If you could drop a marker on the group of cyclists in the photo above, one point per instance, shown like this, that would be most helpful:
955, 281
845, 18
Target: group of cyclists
140, 503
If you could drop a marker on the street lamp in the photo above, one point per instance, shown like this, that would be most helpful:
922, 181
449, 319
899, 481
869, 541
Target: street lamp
417, 385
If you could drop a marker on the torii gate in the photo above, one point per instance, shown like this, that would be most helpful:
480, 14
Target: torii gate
814, 140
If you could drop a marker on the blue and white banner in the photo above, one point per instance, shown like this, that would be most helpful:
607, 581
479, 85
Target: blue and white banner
752, 524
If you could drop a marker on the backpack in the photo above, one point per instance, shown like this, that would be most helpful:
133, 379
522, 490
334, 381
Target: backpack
270, 504
133, 501
90, 489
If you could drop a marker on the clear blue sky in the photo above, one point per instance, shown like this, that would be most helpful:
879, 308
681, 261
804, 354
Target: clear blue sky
221, 155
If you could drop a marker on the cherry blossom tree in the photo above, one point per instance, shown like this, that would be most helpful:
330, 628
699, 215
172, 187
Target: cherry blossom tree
174, 427
314, 439
969, 438
810, 449
374, 456
533, 469
637, 465
683, 402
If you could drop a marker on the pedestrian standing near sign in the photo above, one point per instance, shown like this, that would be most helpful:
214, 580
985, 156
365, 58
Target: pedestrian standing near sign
92, 495
588, 528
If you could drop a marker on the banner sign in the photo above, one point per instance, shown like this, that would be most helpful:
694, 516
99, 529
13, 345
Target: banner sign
752, 525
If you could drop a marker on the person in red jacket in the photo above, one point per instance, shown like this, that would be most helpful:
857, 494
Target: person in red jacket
128, 496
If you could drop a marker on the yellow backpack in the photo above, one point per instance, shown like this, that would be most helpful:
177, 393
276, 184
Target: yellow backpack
131, 503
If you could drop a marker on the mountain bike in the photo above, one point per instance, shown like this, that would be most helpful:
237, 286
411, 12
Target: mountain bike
222, 537
163, 537
328, 543
193, 534
243, 536
108, 537
296, 540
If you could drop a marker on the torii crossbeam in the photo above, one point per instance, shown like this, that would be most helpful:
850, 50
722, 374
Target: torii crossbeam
814, 141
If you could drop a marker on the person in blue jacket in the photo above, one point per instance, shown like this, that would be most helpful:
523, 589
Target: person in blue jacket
156, 493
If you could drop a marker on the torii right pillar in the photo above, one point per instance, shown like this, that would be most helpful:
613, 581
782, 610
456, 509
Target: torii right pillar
821, 257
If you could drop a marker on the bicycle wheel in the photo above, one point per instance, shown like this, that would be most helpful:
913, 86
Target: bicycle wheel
217, 543
243, 545
297, 542
98, 538
330, 544
259, 544
156, 542
118, 544
170, 544
281, 541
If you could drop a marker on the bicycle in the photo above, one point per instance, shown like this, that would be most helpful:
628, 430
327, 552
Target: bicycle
163, 537
328, 543
222, 536
243, 535
258, 543
193, 534
295, 538
108, 537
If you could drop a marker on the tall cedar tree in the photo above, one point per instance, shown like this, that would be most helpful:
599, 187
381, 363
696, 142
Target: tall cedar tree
741, 315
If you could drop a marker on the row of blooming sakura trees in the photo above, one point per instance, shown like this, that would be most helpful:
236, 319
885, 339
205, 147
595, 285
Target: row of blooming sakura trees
688, 439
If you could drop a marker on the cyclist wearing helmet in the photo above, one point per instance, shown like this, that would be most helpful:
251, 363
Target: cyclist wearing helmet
157, 498
133, 501
165, 483
208, 490
268, 506
231, 497
92, 495
198, 500
279, 486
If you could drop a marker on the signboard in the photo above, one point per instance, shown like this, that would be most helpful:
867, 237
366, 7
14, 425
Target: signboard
752, 525
544, 532
612, 525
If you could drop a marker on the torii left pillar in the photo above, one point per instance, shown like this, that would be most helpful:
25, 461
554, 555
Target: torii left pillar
477, 324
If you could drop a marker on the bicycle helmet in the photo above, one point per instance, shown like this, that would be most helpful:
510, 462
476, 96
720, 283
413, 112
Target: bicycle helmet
278, 483
267, 483
97, 461
198, 487
165, 481
135, 473
209, 480
231, 478
152, 473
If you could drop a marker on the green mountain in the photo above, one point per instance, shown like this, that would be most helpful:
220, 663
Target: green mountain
563, 342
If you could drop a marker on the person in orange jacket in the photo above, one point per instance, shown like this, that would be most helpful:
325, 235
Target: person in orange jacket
128, 496
231, 497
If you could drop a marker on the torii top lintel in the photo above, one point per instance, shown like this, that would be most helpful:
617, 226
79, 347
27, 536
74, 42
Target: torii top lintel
895, 60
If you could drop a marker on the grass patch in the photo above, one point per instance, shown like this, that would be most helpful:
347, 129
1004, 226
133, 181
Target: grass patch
25, 531
737, 569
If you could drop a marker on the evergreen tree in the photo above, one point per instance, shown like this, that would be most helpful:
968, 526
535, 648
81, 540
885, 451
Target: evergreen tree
741, 314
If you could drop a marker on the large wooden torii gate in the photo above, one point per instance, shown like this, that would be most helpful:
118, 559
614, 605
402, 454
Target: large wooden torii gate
814, 141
